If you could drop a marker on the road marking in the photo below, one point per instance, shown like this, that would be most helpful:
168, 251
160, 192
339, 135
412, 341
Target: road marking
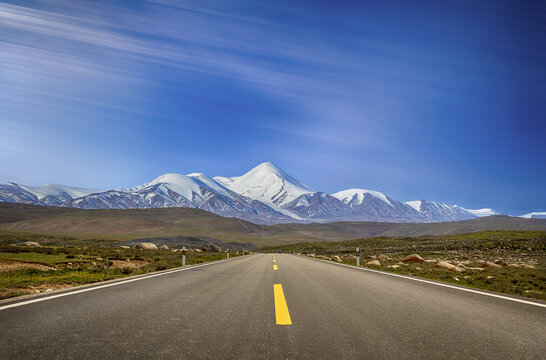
434, 283
274, 260
275, 267
281, 309
110, 284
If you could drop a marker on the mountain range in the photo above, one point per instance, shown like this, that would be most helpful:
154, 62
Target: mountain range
265, 195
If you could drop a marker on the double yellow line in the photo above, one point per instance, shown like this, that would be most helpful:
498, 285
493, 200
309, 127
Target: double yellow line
282, 314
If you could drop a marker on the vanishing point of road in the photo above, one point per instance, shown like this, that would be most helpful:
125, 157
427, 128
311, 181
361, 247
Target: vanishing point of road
272, 307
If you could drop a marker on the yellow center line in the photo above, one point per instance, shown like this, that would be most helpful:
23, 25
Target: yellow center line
274, 260
281, 309
275, 267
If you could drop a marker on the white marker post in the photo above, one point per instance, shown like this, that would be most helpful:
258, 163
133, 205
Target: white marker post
358, 257
227, 253
314, 253
183, 256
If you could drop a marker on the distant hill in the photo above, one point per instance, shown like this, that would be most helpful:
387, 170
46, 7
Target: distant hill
126, 225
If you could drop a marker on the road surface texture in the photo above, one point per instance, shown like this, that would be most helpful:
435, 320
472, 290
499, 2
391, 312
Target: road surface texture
231, 310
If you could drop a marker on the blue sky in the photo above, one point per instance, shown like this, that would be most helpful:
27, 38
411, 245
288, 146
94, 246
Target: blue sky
441, 100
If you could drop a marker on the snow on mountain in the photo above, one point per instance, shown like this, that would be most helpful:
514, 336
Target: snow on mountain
48, 195
356, 196
415, 204
226, 181
194, 190
373, 205
436, 211
535, 215
189, 186
54, 189
265, 194
482, 212
13, 193
317, 206
267, 184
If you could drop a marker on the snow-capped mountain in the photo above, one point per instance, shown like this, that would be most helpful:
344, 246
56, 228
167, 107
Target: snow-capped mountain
267, 184
47, 195
265, 194
194, 190
535, 215
482, 212
54, 189
436, 211
374, 205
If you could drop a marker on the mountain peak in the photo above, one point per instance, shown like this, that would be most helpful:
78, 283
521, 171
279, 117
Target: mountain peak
357, 196
269, 167
267, 183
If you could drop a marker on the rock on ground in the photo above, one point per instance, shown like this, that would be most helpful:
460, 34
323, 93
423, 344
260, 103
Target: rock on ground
373, 263
336, 258
451, 267
413, 258
383, 258
146, 246
164, 247
30, 243
211, 248
491, 265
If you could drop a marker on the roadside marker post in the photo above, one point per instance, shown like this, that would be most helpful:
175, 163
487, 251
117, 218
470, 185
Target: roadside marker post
314, 253
183, 256
358, 257
227, 253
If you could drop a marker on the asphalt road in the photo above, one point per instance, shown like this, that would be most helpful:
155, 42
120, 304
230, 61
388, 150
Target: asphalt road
230, 310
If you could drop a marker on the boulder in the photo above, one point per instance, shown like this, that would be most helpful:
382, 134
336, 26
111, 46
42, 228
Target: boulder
372, 257
146, 246
529, 266
373, 263
383, 258
393, 266
451, 267
211, 248
31, 243
430, 261
124, 247
336, 258
164, 247
413, 258
491, 265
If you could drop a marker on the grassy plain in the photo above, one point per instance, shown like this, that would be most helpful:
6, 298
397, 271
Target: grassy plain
26, 270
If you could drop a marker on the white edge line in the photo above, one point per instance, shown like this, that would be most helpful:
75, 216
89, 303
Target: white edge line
432, 282
111, 284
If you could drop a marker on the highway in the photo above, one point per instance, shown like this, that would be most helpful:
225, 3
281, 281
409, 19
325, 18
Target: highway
271, 307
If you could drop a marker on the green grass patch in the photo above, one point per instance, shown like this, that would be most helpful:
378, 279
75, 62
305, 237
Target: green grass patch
84, 265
